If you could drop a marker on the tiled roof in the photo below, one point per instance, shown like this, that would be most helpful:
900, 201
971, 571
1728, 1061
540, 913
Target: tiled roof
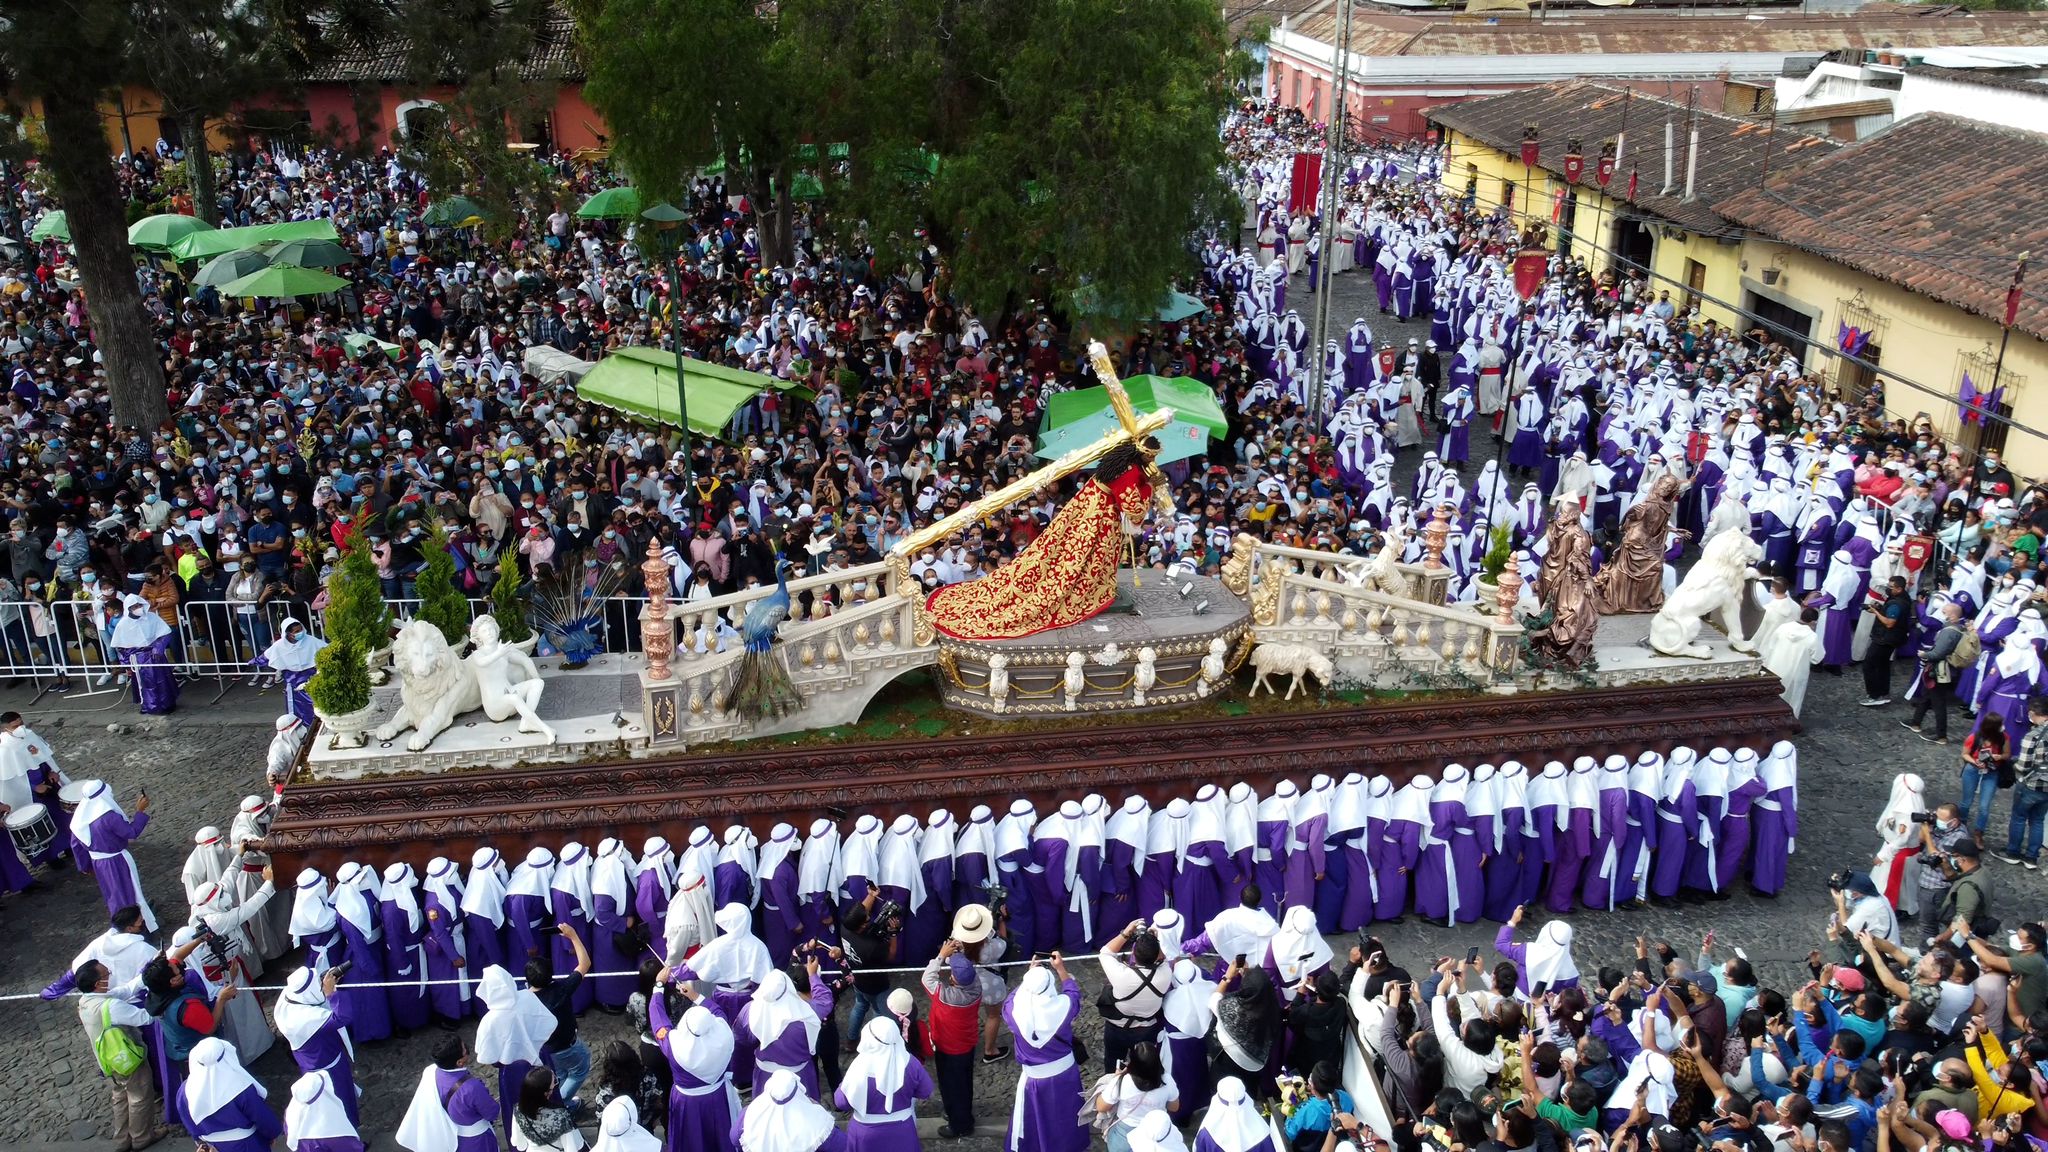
553, 56
2028, 80
1388, 34
1893, 206
1594, 113
1242, 14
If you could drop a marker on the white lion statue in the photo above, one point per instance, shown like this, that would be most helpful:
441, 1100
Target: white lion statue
435, 686
1712, 589
1296, 660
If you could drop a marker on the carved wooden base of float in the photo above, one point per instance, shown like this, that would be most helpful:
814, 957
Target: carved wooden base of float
379, 820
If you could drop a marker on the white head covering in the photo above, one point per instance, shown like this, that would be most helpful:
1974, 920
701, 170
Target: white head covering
1298, 948
737, 956
1241, 931
738, 850
782, 844
1348, 810
619, 1130
1654, 1069
1156, 1133
215, 1079
783, 1118
690, 916
1549, 955
444, 881
701, 1043
398, 889
355, 900
611, 874
1187, 1008
312, 912
1168, 926
1037, 1008
98, 801
775, 1005
572, 877
1129, 825
302, 1008
484, 893
1240, 818
977, 836
1908, 799
861, 854
1233, 1122
138, 631
882, 1060
315, 1112
1169, 831
515, 1023
898, 865
818, 863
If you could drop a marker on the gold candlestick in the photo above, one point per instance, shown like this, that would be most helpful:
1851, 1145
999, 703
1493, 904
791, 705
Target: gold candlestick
657, 631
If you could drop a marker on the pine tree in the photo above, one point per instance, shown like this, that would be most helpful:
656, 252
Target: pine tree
508, 602
356, 612
441, 603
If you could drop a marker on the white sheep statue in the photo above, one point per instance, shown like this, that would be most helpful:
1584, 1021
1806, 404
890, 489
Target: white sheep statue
1296, 660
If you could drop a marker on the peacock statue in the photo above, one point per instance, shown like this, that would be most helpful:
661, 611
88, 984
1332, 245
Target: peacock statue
761, 687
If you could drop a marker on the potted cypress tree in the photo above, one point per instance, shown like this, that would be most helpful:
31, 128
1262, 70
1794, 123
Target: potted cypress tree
356, 611
1500, 553
340, 690
442, 604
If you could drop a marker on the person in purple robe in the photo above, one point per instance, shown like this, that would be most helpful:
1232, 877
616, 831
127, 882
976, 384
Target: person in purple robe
735, 964
526, 907
973, 857
102, 833
1448, 883
221, 1105
1233, 1122
1165, 853
781, 1025
1841, 601
1408, 814
930, 919
655, 886
1275, 826
880, 1091
703, 1106
483, 918
314, 1023
1775, 823
901, 881
1186, 1017
1050, 877
1123, 861
732, 880
1363, 802
1198, 889
782, 1117
611, 913
452, 1109
860, 860
447, 978
1573, 848
1308, 844
405, 947
362, 946
1040, 1015
1745, 786
816, 867
314, 1119
1710, 800
1454, 445
1546, 804
314, 924
2011, 677
1011, 840
1645, 784
1503, 868
1607, 880
1545, 961
142, 641
1345, 816
512, 1034
782, 921
570, 903
1677, 812
291, 656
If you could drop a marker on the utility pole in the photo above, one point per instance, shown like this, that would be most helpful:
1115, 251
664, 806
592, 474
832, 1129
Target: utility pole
1335, 146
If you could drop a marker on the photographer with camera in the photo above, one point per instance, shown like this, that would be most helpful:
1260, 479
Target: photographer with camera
1869, 912
871, 934
1940, 832
1133, 992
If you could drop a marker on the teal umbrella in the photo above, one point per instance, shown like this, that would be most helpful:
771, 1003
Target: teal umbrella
665, 213
280, 280
53, 226
311, 253
1179, 306
455, 212
157, 233
611, 204
229, 267
1085, 415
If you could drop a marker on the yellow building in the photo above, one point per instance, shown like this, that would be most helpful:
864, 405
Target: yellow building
1679, 161
1891, 237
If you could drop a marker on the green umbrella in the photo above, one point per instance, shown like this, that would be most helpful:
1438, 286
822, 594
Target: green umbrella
157, 233
1085, 415
285, 280
53, 226
358, 342
229, 267
611, 204
307, 253
665, 213
455, 212
1179, 306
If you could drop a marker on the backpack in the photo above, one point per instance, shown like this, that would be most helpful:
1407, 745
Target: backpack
1968, 649
118, 1053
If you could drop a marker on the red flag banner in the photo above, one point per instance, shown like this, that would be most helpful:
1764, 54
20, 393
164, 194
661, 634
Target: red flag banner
1530, 265
1307, 188
1574, 167
1557, 206
1605, 171
1531, 147
2012, 294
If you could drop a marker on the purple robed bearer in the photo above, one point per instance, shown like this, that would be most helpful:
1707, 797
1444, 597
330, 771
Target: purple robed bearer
1546, 807
732, 880
483, 917
1198, 890
1645, 785
902, 881
315, 1024
782, 1117
1677, 810
1573, 847
1345, 821
1510, 785
1308, 840
362, 941
881, 1089
1448, 883
1367, 803
703, 1106
315, 1120
1776, 820
222, 1105
1123, 861
1744, 788
405, 947
142, 642
1405, 823
1233, 1123
1040, 1015
1240, 840
781, 1025
611, 904
816, 871
782, 921
101, 832
1710, 800
527, 911
1187, 1017
313, 922
2012, 677
291, 656
1165, 853
653, 888
930, 920
445, 956
974, 857
860, 860
1012, 843
1607, 880
513, 1035
1274, 828
451, 1111
571, 904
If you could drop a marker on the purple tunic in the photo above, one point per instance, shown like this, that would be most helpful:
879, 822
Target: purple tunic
2006, 697
1355, 911
326, 1050
1701, 861
792, 1049
405, 958
1572, 849
1080, 928
1403, 848
1044, 1118
1013, 870
106, 857
1539, 848
568, 911
1777, 823
1607, 879
1504, 865
1197, 890
1118, 902
485, 942
247, 1113
156, 687
368, 1010
1448, 883
929, 922
782, 925
701, 1117
1047, 879
730, 884
526, 921
444, 958
1206, 1143
1269, 865
1734, 841
605, 927
650, 904
1155, 883
338, 1144
1637, 846
1307, 847
970, 878
1675, 819
468, 1102
885, 1125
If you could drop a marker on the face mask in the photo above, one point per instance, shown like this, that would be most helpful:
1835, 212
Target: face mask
2015, 942
1945, 825
609, 534
90, 578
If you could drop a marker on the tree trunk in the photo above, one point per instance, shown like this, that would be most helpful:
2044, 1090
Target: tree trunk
785, 220
774, 250
99, 231
199, 163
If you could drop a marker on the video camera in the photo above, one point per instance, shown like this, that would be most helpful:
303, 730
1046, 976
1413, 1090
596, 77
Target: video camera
887, 918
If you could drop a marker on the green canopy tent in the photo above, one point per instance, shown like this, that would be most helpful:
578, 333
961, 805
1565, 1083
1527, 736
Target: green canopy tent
612, 204
280, 280
157, 233
53, 226
311, 253
357, 343
200, 245
229, 267
1085, 415
455, 212
641, 382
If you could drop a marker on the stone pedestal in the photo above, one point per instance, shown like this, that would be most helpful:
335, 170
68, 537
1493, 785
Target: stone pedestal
661, 702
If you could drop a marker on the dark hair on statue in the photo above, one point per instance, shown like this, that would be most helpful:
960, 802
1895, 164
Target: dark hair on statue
1126, 456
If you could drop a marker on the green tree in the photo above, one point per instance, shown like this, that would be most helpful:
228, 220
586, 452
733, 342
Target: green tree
682, 82
508, 602
441, 603
356, 612
341, 683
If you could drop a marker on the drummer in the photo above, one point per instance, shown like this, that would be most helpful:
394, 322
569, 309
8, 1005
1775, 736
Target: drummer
29, 774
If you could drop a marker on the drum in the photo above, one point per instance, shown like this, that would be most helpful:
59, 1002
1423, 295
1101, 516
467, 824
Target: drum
71, 795
32, 829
